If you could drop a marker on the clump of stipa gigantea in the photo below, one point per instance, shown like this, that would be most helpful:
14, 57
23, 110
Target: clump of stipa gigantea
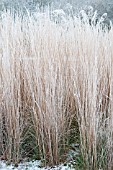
52, 77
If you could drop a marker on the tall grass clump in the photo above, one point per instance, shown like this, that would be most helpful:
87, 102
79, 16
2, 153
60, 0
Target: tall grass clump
55, 79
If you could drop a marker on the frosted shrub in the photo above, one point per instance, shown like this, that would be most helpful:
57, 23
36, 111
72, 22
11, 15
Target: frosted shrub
91, 17
58, 16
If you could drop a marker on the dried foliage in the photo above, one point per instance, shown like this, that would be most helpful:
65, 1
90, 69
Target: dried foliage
52, 76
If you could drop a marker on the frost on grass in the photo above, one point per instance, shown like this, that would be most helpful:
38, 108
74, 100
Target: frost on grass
57, 88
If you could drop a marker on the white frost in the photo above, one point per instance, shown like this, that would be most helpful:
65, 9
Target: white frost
32, 165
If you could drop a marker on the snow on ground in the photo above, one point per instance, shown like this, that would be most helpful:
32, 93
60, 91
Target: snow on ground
32, 165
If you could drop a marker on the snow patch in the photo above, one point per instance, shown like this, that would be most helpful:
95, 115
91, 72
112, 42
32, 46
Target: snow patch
32, 165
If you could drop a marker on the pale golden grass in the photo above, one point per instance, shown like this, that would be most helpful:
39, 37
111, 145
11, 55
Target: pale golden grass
52, 75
